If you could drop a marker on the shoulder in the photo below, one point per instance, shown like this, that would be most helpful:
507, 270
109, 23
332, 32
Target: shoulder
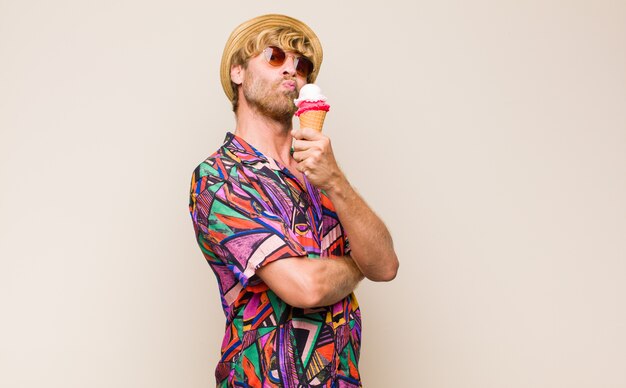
207, 179
215, 169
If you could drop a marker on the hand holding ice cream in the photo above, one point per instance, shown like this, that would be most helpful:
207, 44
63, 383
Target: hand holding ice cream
312, 107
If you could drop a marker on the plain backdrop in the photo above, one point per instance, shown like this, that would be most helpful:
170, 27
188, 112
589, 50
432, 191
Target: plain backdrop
489, 135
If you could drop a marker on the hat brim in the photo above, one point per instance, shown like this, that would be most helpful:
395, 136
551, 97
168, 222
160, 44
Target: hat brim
249, 29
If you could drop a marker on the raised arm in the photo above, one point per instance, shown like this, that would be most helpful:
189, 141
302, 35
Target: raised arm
308, 283
370, 241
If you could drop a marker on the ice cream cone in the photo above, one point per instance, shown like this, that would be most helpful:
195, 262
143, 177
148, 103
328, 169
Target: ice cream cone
312, 119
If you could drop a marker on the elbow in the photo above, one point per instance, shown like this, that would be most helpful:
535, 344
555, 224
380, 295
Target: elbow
393, 270
386, 274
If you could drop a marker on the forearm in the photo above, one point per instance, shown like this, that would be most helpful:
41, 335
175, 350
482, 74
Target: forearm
370, 241
306, 283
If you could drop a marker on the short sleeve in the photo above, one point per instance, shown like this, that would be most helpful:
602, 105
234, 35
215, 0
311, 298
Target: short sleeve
237, 228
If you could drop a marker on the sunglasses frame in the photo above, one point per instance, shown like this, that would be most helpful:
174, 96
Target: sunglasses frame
270, 52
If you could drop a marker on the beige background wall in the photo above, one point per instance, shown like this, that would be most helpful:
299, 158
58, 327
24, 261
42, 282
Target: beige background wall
490, 135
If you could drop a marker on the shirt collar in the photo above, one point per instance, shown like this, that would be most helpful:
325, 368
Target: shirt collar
240, 150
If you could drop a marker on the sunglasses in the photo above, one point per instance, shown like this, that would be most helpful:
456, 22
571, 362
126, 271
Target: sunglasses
276, 56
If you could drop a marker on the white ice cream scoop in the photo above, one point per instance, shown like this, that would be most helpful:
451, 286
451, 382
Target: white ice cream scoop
310, 92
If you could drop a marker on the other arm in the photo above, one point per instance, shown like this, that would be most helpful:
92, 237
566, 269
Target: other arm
307, 283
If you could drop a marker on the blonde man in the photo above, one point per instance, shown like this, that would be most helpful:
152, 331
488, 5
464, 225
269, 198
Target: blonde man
273, 222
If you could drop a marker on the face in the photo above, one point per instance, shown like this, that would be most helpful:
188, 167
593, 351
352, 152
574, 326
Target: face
271, 89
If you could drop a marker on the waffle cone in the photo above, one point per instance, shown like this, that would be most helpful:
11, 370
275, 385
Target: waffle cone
313, 119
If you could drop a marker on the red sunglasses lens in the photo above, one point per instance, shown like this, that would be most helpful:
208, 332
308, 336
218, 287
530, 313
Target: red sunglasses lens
276, 56
304, 67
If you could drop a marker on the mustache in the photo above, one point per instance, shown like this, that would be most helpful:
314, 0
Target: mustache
286, 78
291, 93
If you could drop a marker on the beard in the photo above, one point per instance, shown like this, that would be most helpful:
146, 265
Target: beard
266, 97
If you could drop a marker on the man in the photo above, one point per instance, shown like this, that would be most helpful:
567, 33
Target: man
273, 223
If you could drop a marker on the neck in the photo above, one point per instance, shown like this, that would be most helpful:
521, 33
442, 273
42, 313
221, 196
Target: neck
273, 138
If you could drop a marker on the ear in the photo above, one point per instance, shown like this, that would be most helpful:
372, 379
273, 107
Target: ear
236, 74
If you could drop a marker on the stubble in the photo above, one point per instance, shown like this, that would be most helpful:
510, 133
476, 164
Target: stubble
266, 97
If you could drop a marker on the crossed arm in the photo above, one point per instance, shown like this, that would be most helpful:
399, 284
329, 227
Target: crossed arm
307, 283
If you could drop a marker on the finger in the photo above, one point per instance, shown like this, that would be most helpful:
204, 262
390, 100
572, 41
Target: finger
301, 167
306, 134
307, 165
300, 156
302, 145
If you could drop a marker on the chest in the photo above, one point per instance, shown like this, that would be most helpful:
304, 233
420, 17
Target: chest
297, 203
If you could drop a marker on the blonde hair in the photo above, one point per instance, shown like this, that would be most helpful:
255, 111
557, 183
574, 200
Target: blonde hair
284, 37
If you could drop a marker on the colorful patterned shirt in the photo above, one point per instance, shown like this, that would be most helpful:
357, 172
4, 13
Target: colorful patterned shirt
247, 212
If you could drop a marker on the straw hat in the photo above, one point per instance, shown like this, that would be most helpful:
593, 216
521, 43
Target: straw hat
249, 29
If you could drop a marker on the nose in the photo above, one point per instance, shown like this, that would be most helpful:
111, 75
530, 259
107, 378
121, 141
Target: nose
289, 67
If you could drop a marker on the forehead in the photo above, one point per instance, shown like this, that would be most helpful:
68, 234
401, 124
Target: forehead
286, 38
